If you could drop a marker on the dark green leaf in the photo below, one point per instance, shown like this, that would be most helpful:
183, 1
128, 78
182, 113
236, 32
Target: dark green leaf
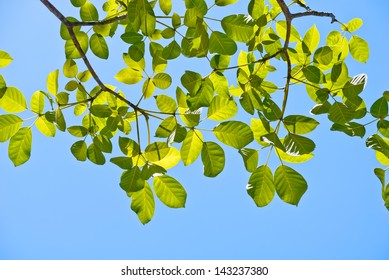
351, 129
250, 158
213, 158
220, 43
290, 185
131, 181
379, 109
340, 113
300, 124
95, 154
272, 139
297, 145
122, 162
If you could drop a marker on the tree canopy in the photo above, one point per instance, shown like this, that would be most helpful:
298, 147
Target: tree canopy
204, 114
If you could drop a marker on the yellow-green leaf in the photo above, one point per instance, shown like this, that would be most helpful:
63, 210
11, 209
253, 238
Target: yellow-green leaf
13, 101
19, 149
169, 191
45, 127
5, 59
9, 125
191, 147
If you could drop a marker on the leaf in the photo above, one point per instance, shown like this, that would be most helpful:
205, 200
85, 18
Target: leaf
166, 6
290, 185
171, 51
45, 127
234, 133
129, 76
167, 127
300, 124
281, 27
143, 204
340, 113
79, 150
191, 81
238, 28
353, 25
95, 154
169, 191
213, 158
222, 109
166, 104
298, 145
103, 143
272, 139
311, 40
88, 12
261, 186
122, 162
131, 37
37, 102
312, 74
101, 111
250, 158
170, 160
99, 46
220, 43
131, 181
150, 170
19, 148
162, 80
9, 126
380, 173
377, 143
52, 82
5, 59
256, 8
323, 55
13, 101
379, 109
351, 129
77, 3
285, 157
359, 49
156, 151
71, 50
191, 147
224, 2
78, 131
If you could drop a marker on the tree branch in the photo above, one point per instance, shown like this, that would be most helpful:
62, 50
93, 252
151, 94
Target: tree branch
102, 22
316, 14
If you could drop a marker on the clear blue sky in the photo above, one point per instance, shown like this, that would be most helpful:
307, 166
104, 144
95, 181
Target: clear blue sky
55, 207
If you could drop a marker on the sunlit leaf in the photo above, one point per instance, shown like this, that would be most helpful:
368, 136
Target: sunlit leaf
9, 126
234, 133
220, 43
250, 158
99, 46
290, 185
191, 147
143, 204
13, 101
169, 191
19, 148
359, 49
5, 59
213, 158
79, 150
261, 186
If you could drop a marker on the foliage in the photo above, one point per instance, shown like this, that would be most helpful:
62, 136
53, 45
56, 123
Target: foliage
253, 45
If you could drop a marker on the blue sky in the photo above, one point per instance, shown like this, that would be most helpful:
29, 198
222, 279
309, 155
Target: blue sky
55, 207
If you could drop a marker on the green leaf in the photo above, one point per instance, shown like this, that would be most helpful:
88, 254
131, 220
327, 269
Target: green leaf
380, 173
79, 150
271, 110
78, 131
250, 158
351, 129
101, 111
52, 82
9, 126
198, 4
166, 104
166, 6
19, 149
77, 3
191, 147
298, 145
281, 27
261, 186
122, 162
129, 76
272, 139
162, 80
167, 127
311, 40
5, 59
99, 46
359, 49
224, 2
131, 181
238, 28
156, 151
340, 113
323, 55
103, 143
234, 133
71, 50
60, 120
143, 204
45, 127
171, 51
88, 12
13, 101
222, 108
213, 158
353, 25
300, 124
169, 191
150, 170
37, 102
293, 158
129, 147
379, 109
70, 69
191, 81
377, 143
95, 154
290, 185
131, 37
256, 8
312, 73
220, 43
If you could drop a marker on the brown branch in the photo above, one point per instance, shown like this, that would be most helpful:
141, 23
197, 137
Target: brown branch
74, 39
316, 14
102, 22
